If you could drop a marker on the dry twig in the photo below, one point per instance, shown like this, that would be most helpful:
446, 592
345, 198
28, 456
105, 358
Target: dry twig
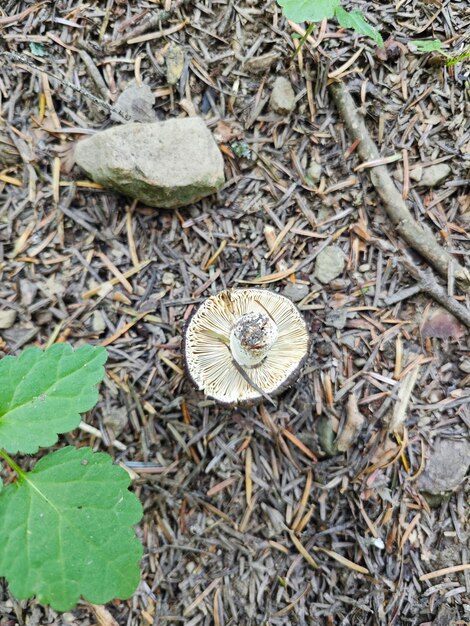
416, 235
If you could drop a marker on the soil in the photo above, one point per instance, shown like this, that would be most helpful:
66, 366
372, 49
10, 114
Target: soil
242, 526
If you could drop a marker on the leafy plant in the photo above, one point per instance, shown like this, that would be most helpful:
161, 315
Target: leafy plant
435, 45
317, 10
66, 526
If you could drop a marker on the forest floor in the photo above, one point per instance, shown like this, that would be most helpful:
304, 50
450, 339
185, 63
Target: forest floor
236, 511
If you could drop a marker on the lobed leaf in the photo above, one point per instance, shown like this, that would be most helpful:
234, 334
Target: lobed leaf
357, 22
308, 10
42, 394
66, 531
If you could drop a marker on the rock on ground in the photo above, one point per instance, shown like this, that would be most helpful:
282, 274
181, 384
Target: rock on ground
135, 102
282, 96
163, 164
446, 468
7, 318
434, 175
296, 292
329, 264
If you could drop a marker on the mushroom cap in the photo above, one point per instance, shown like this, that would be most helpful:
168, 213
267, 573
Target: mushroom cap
208, 355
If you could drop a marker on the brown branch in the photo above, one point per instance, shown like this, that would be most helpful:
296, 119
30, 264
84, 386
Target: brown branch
418, 236
154, 21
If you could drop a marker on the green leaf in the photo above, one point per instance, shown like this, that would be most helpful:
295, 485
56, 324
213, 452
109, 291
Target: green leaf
357, 22
308, 10
37, 49
43, 393
426, 45
66, 531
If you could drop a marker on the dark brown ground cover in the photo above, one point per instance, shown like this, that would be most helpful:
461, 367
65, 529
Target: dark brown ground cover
235, 507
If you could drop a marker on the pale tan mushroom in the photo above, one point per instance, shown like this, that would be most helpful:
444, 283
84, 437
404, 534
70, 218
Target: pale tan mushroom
245, 344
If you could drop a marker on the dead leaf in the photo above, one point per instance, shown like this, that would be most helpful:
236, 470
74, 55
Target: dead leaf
441, 324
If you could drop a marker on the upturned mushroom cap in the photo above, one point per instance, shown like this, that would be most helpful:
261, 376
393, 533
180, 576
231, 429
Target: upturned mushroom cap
243, 344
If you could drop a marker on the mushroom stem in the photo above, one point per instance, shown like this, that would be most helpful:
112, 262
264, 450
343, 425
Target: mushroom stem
251, 338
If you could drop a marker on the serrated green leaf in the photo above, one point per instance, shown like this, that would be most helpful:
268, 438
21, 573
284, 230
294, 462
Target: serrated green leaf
426, 45
42, 394
308, 10
66, 531
357, 22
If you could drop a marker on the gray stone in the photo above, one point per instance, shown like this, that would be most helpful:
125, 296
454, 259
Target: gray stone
7, 318
416, 173
98, 322
336, 318
465, 365
168, 279
282, 96
329, 264
136, 103
296, 292
447, 466
165, 164
434, 175
313, 172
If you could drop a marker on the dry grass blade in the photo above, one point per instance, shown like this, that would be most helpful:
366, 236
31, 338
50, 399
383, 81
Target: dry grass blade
344, 561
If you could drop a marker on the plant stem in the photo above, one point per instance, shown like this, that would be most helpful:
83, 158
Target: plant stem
12, 464
307, 34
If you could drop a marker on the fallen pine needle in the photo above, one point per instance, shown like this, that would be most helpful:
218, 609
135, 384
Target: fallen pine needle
409, 529
303, 551
12, 181
215, 256
122, 331
272, 278
445, 570
287, 609
344, 561
299, 444
248, 481
109, 284
189, 609
377, 162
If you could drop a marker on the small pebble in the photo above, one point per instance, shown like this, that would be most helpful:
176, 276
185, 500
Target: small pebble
416, 173
465, 366
282, 96
135, 102
365, 267
434, 175
329, 264
7, 318
296, 292
168, 279
314, 172
98, 324
336, 318
448, 463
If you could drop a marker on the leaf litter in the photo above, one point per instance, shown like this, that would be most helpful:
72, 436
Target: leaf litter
216, 553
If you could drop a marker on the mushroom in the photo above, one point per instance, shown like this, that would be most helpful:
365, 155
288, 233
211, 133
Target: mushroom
245, 344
